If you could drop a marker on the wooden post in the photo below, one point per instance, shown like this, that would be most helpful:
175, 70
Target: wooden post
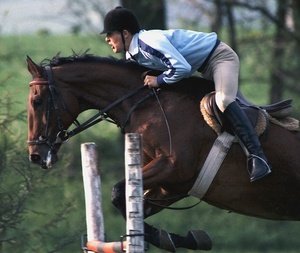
92, 192
134, 193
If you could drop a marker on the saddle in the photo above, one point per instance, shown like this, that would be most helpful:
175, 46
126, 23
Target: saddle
259, 116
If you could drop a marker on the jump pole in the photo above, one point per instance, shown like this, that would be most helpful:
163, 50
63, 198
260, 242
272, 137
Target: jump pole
134, 199
134, 193
92, 192
93, 204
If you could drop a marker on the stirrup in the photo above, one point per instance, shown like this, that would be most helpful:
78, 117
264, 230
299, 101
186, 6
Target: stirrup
257, 170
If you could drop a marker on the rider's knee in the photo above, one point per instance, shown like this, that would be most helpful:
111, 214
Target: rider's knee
223, 101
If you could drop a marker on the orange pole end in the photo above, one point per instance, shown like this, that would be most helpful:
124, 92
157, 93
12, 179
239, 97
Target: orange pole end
106, 247
92, 245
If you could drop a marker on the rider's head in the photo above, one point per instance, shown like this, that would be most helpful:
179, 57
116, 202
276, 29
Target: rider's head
120, 24
119, 19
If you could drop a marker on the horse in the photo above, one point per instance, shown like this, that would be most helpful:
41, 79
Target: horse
176, 140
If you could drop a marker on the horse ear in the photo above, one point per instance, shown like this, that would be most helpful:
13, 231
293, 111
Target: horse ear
33, 68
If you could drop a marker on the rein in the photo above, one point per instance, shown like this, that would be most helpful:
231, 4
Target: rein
154, 202
63, 134
102, 114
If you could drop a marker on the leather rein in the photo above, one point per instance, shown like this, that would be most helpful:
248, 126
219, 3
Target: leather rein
63, 134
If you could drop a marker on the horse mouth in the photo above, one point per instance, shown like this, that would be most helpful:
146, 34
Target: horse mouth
46, 163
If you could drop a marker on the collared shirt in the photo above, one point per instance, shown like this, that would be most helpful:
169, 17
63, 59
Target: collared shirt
178, 53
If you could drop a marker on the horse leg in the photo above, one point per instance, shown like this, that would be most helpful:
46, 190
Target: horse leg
159, 171
154, 201
152, 176
160, 238
118, 198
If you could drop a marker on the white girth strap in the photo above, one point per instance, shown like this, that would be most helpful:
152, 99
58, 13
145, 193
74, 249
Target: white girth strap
212, 164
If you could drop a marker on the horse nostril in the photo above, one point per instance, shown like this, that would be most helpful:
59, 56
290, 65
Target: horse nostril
34, 158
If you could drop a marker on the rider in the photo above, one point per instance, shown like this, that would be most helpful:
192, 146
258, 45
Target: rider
179, 53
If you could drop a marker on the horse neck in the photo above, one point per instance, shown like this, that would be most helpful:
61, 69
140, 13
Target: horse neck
98, 85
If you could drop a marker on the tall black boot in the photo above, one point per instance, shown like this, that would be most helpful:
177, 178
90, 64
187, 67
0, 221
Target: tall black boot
257, 164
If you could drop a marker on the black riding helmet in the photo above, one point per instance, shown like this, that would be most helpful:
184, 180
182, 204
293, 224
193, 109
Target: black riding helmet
120, 19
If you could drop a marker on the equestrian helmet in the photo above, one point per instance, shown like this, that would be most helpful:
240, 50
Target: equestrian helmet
119, 19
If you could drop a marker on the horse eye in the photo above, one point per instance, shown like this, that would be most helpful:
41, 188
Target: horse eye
37, 102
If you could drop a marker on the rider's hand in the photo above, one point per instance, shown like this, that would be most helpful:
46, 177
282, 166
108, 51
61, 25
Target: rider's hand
151, 81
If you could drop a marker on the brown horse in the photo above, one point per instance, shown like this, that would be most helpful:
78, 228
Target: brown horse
176, 140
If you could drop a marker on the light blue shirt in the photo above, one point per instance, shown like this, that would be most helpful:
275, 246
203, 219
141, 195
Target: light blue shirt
178, 53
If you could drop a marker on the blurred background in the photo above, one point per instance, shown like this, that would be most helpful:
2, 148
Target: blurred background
43, 211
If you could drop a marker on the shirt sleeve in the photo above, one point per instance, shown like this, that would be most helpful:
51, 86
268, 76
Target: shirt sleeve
162, 53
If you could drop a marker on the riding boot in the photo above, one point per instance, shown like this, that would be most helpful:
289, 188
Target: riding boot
257, 164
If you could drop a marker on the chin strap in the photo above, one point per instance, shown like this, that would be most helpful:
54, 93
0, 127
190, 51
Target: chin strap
123, 41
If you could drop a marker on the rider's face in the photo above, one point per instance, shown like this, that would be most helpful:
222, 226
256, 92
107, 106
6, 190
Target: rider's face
114, 39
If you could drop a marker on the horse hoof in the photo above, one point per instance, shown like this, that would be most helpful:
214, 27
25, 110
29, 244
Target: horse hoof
200, 239
166, 242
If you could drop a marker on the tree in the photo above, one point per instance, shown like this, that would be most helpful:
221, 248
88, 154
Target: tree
256, 23
88, 15
15, 184
279, 43
217, 22
291, 71
151, 14
283, 63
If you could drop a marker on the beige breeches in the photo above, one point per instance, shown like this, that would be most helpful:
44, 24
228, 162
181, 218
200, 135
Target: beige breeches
223, 68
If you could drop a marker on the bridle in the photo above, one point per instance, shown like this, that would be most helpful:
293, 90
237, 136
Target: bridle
63, 134
52, 103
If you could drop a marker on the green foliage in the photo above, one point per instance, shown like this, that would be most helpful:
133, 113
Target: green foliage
15, 176
43, 211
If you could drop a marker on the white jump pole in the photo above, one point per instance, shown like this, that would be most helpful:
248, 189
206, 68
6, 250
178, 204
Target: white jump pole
92, 192
134, 193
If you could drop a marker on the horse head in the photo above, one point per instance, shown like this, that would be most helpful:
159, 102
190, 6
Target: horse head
46, 125
65, 87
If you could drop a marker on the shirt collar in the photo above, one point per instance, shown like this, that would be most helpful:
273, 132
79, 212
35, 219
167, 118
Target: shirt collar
133, 47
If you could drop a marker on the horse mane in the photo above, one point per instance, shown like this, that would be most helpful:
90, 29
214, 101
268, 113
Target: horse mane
194, 86
58, 60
